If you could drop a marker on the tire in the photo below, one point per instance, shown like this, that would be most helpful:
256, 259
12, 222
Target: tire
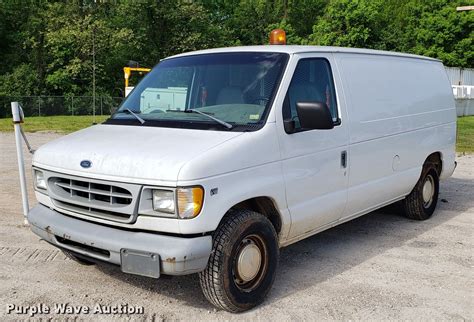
421, 202
77, 259
232, 281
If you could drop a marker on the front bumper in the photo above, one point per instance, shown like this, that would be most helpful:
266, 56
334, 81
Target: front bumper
178, 255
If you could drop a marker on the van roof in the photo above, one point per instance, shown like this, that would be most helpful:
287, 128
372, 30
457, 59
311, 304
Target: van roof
293, 49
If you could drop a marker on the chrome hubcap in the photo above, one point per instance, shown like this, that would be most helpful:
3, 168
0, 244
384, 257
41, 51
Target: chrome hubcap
428, 191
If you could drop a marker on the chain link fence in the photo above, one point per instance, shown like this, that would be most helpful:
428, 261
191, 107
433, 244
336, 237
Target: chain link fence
60, 105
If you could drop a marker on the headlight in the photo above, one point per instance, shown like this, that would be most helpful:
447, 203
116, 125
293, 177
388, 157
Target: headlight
163, 201
184, 203
190, 201
40, 183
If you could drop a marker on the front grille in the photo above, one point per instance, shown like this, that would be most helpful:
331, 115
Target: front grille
93, 211
100, 199
98, 192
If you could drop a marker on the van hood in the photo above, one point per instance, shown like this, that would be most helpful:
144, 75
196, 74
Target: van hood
129, 152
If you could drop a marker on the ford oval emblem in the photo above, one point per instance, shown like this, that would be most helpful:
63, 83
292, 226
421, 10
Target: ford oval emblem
86, 164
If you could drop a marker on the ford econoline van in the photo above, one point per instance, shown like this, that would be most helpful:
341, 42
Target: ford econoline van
218, 158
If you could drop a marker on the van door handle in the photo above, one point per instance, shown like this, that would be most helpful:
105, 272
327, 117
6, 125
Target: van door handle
344, 159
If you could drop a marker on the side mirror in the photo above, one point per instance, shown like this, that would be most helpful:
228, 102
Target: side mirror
289, 125
314, 115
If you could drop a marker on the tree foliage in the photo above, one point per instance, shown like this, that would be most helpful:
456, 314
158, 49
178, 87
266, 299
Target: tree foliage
350, 23
47, 47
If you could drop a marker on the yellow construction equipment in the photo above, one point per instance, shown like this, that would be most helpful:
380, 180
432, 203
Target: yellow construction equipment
127, 73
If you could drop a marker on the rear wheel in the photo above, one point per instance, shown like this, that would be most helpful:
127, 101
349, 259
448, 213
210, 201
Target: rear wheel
77, 259
421, 202
242, 265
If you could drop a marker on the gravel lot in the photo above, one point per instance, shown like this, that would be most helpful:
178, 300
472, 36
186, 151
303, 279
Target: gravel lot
380, 266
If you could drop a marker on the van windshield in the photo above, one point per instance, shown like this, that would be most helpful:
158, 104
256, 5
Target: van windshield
234, 88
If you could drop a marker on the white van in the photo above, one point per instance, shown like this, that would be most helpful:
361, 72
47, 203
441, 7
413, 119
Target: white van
257, 148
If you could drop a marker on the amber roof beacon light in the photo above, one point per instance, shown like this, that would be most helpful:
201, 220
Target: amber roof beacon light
277, 37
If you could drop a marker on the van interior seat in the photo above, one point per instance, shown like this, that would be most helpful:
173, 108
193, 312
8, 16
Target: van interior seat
230, 95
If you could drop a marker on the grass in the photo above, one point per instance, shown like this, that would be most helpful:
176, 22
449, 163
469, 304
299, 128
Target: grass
60, 124
465, 142
67, 124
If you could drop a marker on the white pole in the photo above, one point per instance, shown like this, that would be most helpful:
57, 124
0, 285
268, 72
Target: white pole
17, 119
93, 75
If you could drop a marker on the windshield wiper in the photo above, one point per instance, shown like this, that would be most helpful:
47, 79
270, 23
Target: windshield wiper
223, 123
129, 111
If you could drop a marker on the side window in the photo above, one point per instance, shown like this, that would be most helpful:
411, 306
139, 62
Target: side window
312, 82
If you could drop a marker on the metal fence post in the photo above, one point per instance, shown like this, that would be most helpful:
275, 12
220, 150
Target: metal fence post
17, 115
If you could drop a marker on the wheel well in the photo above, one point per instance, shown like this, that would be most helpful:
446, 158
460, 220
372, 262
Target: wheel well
435, 159
264, 206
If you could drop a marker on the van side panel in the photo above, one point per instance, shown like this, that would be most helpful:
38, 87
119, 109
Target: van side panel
249, 167
400, 111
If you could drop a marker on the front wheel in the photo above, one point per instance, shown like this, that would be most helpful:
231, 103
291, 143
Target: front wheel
243, 262
421, 202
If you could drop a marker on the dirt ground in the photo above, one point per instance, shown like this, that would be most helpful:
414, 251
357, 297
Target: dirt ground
381, 266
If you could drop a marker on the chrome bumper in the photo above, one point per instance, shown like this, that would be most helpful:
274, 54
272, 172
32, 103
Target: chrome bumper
178, 255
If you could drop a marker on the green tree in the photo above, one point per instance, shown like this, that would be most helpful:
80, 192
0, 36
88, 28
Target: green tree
437, 30
70, 35
168, 27
46, 46
350, 23
21, 81
248, 22
426, 27
18, 54
300, 15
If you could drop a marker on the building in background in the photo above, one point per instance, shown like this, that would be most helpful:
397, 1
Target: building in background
462, 81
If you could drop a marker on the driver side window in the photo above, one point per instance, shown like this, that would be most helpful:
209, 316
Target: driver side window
312, 82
